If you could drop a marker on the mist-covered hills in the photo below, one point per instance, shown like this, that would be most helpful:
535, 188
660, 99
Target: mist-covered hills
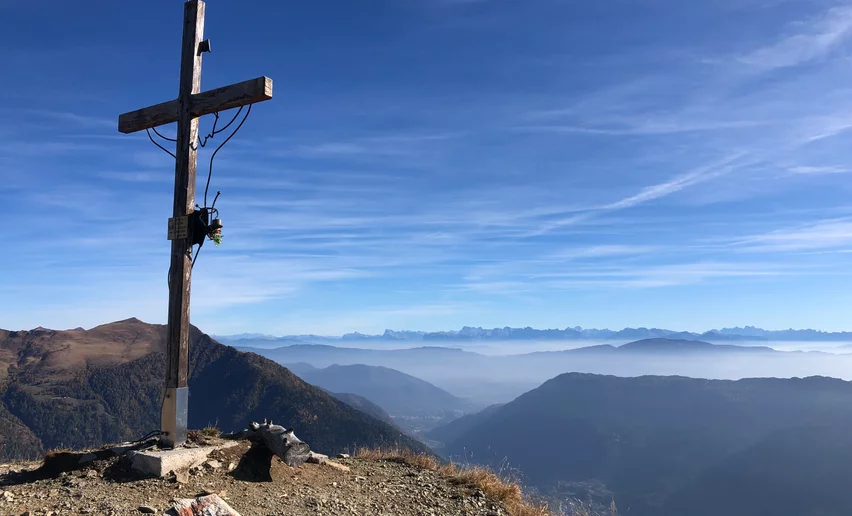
83, 388
489, 379
669, 446
364, 405
467, 333
452, 430
397, 393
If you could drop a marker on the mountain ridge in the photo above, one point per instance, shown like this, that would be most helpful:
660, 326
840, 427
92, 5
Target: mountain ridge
398, 393
665, 445
469, 333
650, 345
84, 388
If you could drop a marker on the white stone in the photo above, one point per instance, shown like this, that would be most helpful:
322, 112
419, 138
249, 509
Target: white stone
317, 458
210, 505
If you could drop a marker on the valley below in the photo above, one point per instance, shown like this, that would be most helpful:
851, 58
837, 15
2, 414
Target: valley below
657, 426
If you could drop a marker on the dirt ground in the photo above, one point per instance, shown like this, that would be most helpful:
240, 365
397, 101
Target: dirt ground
252, 482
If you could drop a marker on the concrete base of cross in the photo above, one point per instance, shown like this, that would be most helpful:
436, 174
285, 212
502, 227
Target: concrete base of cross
159, 463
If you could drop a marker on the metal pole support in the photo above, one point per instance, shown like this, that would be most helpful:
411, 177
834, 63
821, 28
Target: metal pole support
174, 417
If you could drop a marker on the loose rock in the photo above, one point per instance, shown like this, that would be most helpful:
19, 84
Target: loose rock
210, 505
317, 458
336, 465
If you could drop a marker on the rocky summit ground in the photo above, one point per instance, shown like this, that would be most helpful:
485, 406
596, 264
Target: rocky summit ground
252, 483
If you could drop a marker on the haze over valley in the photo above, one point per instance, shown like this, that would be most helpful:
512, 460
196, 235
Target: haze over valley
487, 371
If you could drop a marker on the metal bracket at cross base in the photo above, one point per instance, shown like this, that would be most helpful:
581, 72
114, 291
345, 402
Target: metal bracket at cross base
174, 417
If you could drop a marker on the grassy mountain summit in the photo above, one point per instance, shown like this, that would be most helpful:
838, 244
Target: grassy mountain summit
82, 388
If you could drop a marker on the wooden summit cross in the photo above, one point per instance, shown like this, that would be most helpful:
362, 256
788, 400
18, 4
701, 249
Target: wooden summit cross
185, 110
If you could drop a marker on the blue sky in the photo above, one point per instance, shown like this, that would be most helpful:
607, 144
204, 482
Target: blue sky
428, 164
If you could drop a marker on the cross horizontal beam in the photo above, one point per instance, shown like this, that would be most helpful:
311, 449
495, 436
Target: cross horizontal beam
204, 103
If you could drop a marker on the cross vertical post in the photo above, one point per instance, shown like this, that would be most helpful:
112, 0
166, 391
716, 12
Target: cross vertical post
175, 410
185, 110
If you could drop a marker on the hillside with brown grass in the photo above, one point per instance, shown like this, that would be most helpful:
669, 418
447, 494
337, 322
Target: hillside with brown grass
83, 388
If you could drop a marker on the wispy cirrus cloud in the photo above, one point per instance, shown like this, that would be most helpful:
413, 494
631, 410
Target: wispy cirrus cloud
643, 126
604, 250
86, 121
552, 164
811, 40
377, 146
142, 176
653, 192
817, 170
824, 234
679, 274
624, 276
678, 183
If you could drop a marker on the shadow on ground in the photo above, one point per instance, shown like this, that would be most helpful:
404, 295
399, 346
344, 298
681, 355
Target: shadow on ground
255, 465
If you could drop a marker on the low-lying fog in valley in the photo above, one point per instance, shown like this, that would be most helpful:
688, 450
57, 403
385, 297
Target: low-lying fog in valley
496, 372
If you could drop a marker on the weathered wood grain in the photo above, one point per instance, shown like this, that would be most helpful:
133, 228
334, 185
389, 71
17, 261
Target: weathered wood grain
180, 273
236, 95
279, 440
227, 97
146, 118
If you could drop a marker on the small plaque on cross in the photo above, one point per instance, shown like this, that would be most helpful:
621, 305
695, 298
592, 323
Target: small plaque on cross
178, 228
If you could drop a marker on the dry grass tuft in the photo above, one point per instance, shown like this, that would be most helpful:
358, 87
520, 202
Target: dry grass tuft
405, 456
505, 491
211, 431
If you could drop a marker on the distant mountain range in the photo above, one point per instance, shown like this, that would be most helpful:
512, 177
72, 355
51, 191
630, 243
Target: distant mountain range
467, 333
485, 379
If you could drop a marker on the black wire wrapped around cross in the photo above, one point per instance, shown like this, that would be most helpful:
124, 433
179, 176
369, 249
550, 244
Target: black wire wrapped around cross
201, 224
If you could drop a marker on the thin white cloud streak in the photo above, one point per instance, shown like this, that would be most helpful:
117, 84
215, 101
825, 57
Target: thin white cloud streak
825, 234
385, 146
75, 118
818, 37
819, 170
28, 149
148, 176
644, 127
647, 276
605, 251
620, 110
241, 279
653, 192
677, 183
